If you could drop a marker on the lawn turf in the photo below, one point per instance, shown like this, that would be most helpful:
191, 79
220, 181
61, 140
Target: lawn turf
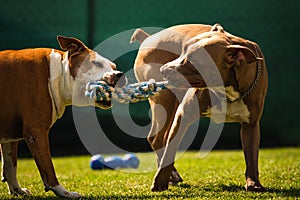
220, 175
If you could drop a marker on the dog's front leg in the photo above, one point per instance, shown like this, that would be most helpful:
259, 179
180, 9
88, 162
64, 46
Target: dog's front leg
9, 168
250, 136
186, 114
37, 141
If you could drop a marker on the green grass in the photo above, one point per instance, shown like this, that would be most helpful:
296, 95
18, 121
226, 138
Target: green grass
220, 175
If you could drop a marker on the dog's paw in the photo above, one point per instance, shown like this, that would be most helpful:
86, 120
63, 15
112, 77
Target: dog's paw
19, 191
161, 180
60, 191
252, 186
175, 177
73, 195
159, 187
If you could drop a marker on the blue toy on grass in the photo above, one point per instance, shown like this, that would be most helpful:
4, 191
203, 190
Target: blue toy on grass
98, 162
130, 161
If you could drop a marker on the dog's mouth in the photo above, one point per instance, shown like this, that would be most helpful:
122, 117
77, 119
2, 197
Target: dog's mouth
115, 79
193, 80
103, 104
112, 79
182, 75
182, 79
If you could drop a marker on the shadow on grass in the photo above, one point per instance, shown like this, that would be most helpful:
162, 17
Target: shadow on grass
32, 198
232, 188
159, 195
291, 192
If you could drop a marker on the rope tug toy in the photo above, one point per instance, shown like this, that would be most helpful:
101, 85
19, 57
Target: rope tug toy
132, 93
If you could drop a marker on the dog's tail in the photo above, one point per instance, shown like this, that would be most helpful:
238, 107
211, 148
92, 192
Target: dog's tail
139, 35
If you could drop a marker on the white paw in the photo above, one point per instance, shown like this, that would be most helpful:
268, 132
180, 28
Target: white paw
19, 191
73, 195
59, 190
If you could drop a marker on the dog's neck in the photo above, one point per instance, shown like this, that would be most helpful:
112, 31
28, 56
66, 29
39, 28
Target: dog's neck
60, 84
66, 86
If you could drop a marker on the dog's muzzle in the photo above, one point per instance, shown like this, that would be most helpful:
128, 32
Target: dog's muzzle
182, 75
115, 78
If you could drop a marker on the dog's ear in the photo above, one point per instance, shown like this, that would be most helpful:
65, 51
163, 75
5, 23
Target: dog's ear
237, 54
70, 44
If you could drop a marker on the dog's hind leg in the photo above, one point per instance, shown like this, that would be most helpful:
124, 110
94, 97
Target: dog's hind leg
9, 168
250, 136
186, 114
163, 109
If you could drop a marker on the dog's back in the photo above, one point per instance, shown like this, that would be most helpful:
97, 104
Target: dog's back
163, 47
24, 75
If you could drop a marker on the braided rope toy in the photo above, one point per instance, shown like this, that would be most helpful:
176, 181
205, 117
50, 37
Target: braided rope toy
132, 93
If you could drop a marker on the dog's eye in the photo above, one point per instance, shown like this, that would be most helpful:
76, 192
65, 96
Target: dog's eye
98, 64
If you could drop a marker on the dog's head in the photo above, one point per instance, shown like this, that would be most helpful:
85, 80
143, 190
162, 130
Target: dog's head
86, 65
206, 55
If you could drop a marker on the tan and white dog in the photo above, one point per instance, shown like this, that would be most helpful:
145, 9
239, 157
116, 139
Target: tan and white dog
244, 77
35, 87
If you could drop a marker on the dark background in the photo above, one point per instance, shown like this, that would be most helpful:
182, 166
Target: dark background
274, 25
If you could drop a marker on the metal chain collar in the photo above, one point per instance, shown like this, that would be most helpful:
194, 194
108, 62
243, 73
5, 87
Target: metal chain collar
255, 82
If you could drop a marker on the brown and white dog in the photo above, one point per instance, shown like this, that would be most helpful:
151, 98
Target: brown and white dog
35, 87
244, 77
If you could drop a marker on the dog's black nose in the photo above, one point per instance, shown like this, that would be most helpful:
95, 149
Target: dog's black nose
115, 78
121, 79
119, 75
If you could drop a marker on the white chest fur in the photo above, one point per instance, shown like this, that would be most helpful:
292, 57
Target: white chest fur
60, 84
235, 111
